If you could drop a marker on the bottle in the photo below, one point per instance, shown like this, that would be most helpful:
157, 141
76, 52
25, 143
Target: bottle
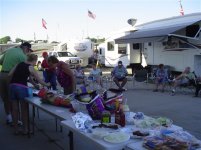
117, 117
123, 120
106, 117
126, 111
120, 117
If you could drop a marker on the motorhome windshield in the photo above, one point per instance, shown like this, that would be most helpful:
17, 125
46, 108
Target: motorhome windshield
65, 54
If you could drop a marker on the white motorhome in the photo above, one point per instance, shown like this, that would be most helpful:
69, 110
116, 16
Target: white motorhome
174, 41
101, 53
81, 48
115, 52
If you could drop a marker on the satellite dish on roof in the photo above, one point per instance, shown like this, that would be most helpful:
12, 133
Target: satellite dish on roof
132, 21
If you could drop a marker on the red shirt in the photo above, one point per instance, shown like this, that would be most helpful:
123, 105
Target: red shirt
46, 66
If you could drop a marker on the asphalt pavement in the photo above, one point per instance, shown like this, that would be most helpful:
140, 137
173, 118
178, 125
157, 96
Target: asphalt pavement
183, 109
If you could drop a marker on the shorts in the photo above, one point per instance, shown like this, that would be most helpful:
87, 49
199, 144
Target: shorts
162, 80
19, 92
183, 81
120, 79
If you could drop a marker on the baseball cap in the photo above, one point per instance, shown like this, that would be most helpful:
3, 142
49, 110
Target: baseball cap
27, 45
45, 54
120, 62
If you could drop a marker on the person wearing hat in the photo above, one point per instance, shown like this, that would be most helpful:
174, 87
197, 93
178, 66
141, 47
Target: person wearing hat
49, 74
119, 74
11, 57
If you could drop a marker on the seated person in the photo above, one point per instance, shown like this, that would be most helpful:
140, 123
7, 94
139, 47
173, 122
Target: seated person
79, 75
197, 86
119, 74
161, 77
185, 78
95, 75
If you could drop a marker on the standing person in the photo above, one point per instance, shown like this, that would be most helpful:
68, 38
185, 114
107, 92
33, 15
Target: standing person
64, 74
48, 73
161, 78
10, 58
19, 89
119, 74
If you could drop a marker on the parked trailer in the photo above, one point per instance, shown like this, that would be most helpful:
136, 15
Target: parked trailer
174, 41
81, 48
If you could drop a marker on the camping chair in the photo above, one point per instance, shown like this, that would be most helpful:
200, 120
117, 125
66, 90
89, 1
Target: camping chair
107, 80
92, 82
189, 87
141, 76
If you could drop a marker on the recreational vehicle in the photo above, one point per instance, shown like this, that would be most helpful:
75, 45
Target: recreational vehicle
112, 52
81, 48
174, 41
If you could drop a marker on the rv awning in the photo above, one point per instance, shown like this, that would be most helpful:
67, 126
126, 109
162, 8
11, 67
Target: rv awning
152, 34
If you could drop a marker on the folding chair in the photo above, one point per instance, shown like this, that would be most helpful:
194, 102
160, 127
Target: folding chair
141, 76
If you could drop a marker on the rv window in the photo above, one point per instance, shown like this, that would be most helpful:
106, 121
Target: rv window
110, 46
192, 30
100, 51
149, 43
122, 48
136, 46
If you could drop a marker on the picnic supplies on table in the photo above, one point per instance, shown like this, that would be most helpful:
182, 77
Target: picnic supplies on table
96, 107
93, 103
79, 120
42, 93
54, 99
112, 100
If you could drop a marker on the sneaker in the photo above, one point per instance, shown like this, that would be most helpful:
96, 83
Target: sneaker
173, 92
155, 90
9, 119
19, 123
124, 89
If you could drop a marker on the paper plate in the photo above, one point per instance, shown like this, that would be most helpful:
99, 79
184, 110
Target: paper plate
117, 137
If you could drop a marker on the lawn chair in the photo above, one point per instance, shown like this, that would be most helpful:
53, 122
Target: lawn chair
141, 76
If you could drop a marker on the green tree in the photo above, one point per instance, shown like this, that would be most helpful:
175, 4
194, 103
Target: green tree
5, 39
95, 40
17, 40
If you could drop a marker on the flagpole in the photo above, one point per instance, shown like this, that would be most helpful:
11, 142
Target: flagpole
181, 8
87, 26
34, 37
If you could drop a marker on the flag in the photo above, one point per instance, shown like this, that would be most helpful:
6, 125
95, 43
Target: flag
44, 23
91, 15
181, 8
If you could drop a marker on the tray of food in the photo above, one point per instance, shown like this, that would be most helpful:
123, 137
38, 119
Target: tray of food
117, 137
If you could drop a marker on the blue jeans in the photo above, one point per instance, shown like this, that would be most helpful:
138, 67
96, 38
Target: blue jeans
50, 77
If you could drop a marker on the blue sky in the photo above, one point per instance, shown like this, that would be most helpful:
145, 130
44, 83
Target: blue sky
68, 19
